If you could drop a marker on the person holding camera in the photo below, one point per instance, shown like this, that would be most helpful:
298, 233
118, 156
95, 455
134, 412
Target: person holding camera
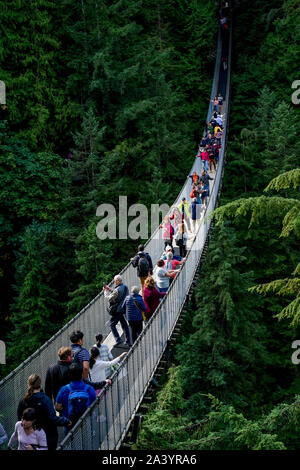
116, 310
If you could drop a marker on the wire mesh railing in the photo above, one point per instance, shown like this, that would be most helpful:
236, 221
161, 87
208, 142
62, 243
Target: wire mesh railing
105, 423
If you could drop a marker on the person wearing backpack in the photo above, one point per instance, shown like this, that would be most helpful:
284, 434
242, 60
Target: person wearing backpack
115, 309
46, 416
74, 399
143, 262
80, 354
135, 310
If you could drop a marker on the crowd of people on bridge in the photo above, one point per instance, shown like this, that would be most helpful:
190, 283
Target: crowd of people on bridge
73, 383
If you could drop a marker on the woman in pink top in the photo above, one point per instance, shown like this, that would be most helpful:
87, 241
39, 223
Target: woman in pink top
168, 231
152, 296
205, 158
26, 434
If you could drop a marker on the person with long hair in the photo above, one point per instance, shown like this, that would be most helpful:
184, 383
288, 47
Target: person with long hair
105, 352
97, 366
152, 296
27, 433
46, 416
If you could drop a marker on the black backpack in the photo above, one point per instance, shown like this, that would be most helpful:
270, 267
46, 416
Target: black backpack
113, 308
39, 406
76, 359
143, 267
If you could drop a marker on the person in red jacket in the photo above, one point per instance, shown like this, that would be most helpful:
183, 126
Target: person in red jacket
152, 296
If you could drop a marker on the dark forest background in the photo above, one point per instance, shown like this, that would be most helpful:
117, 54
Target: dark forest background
124, 86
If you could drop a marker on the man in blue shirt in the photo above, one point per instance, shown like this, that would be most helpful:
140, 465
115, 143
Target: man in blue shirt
76, 385
80, 354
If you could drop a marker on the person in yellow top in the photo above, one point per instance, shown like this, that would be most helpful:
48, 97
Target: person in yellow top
217, 129
185, 213
218, 134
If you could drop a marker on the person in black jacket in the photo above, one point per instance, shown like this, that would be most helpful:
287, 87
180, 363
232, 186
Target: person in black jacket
46, 416
143, 262
58, 374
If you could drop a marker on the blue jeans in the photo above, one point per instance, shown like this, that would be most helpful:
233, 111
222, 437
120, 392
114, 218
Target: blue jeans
205, 165
115, 319
163, 289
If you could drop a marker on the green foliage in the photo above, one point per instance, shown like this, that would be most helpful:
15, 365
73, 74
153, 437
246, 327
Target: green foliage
36, 304
163, 426
290, 179
222, 428
225, 353
32, 69
263, 209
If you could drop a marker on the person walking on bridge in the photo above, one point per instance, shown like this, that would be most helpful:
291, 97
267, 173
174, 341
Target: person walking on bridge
80, 354
46, 416
143, 262
135, 310
185, 213
115, 309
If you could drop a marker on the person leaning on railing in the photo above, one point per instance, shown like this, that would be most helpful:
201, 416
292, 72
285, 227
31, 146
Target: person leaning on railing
163, 276
172, 264
105, 352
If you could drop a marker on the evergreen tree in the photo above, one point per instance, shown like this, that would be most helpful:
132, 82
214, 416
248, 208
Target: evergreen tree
225, 353
264, 209
36, 305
